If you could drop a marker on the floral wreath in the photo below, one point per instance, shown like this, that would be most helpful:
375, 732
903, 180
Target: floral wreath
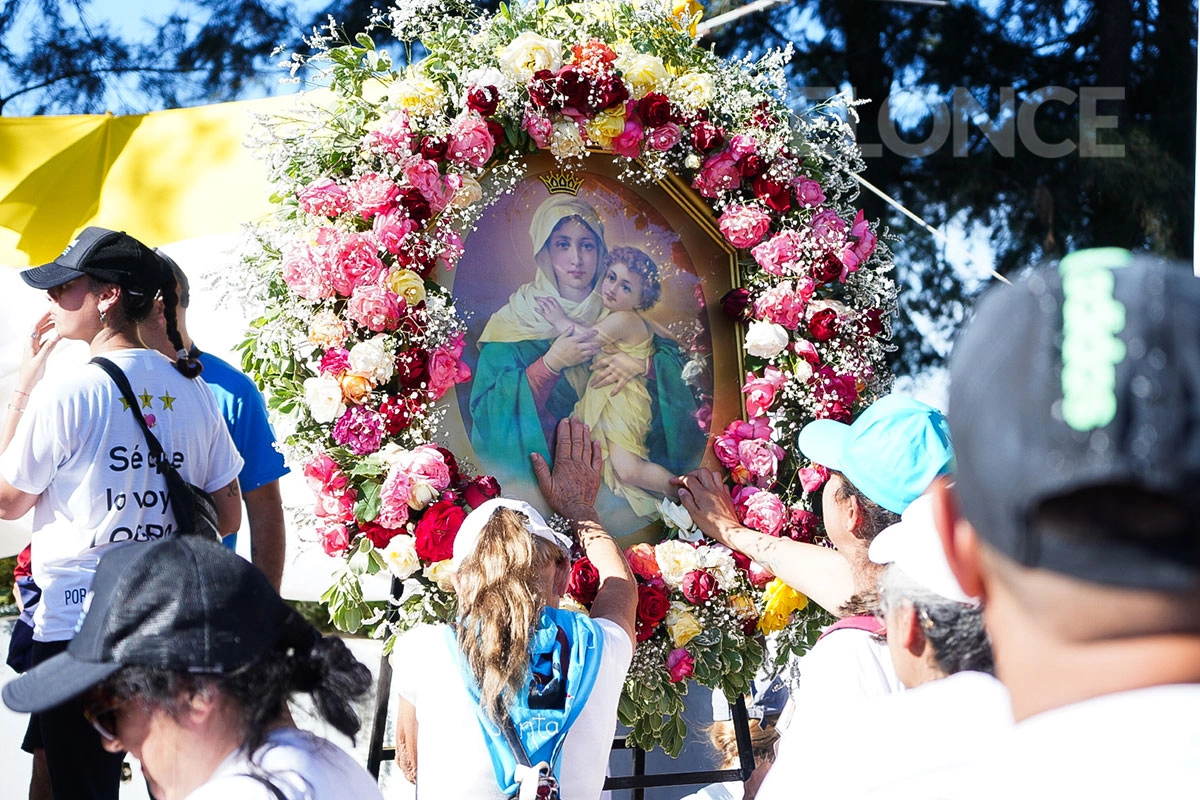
377, 180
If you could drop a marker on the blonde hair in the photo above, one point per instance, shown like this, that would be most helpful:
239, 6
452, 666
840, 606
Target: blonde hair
500, 596
724, 740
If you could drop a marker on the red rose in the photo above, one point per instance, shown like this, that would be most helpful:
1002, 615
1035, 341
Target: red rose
483, 100
826, 270
412, 367
776, 195
651, 608
823, 325
737, 304
433, 148
802, 526
496, 131
740, 560
584, 581
415, 205
654, 109
707, 137
752, 165
611, 92
873, 321
699, 585
541, 89
481, 490
379, 535
397, 414
576, 89
451, 464
436, 531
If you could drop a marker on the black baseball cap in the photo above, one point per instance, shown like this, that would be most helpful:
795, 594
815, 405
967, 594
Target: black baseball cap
1084, 377
112, 256
183, 603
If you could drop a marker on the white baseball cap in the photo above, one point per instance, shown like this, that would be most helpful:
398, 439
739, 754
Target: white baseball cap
913, 545
468, 533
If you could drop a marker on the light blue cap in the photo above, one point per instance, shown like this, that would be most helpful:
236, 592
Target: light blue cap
891, 453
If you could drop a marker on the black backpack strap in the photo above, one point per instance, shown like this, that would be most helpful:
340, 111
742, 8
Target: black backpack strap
122, 382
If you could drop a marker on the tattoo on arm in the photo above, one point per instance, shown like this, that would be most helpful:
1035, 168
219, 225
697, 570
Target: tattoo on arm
231, 490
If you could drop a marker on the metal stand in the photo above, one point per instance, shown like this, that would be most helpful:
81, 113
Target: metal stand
638, 782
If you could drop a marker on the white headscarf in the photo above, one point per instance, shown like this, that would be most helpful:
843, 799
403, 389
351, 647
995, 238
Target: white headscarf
519, 320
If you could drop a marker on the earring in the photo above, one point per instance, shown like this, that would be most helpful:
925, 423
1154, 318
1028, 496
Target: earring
103, 317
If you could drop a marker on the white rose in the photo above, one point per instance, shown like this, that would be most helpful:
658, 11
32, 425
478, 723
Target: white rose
693, 90
401, 556
439, 572
323, 394
719, 561
373, 359
487, 76
692, 161
467, 194
529, 53
676, 515
422, 495
566, 141
802, 372
675, 560
765, 339
420, 95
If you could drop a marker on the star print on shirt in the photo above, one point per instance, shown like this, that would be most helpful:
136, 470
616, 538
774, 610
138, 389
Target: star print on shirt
147, 399
168, 402
124, 404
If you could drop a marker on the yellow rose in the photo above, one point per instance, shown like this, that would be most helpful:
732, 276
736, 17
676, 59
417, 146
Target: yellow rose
420, 95
407, 284
685, 11
529, 53
644, 73
439, 572
355, 388
605, 127
566, 141
468, 193
682, 625
326, 330
568, 603
779, 602
743, 606
692, 89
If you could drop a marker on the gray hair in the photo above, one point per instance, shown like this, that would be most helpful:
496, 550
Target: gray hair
954, 629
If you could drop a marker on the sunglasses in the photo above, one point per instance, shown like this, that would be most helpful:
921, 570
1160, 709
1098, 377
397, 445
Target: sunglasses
103, 717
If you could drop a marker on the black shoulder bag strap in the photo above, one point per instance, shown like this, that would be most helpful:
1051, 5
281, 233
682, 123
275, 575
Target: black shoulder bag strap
547, 782
195, 511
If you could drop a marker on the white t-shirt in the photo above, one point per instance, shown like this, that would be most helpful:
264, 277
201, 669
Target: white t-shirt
892, 746
843, 667
302, 765
729, 790
1144, 743
86, 457
452, 756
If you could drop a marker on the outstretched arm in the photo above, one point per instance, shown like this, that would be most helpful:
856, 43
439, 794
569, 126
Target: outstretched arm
571, 491
819, 572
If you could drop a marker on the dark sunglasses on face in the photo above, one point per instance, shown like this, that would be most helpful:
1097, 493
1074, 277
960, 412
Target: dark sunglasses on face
102, 715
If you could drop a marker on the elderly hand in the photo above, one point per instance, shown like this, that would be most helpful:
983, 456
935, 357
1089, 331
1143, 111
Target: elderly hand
571, 488
617, 368
704, 495
570, 349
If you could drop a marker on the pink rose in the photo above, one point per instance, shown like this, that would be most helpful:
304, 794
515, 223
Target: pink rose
539, 128
718, 174
760, 391
784, 303
828, 228
470, 140
807, 351
863, 245
324, 473
809, 193
425, 464
393, 499
680, 664
812, 478
664, 137
744, 226
699, 585
392, 135
374, 307
359, 430
335, 538
759, 575
742, 145
628, 142
835, 394
356, 262
452, 249
424, 175
373, 194
335, 361
780, 254
323, 198
306, 268
760, 459
336, 504
762, 511
391, 231
446, 368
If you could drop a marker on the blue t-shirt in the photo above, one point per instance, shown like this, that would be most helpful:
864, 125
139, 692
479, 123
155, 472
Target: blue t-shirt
245, 414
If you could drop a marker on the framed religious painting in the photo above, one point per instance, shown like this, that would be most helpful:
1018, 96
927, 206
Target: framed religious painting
591, 297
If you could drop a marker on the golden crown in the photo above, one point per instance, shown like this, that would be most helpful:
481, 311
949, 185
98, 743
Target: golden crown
559, 182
